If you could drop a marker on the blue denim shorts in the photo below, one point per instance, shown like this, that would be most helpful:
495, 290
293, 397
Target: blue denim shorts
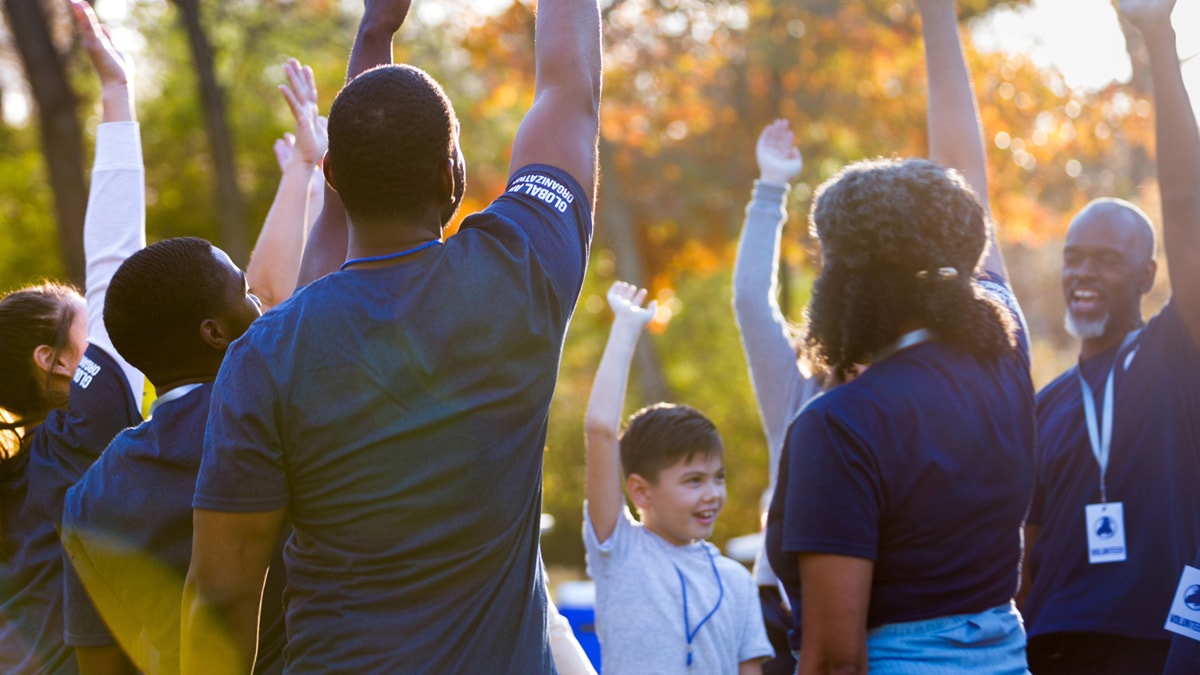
987, 642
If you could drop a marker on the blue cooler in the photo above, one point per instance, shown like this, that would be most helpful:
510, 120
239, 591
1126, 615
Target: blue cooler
576, 601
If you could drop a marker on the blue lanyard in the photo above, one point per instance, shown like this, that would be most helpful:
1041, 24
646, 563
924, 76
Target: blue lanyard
391, 256
1100, 435
687, 626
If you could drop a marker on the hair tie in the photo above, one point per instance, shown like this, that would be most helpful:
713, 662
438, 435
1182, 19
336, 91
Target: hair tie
943, 273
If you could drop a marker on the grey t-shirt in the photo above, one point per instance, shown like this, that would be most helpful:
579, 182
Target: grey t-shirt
639, 604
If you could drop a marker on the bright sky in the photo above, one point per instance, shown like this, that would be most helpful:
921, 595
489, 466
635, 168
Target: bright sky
1082, 39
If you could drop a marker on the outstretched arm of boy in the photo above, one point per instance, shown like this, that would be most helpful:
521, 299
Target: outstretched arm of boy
605, 495
276, 259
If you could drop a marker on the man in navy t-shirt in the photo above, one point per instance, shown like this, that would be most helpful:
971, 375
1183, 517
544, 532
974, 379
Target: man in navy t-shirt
396, 410
173, 308
1116, 512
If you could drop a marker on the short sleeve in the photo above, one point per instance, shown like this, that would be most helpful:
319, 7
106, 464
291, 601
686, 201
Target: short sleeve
83, 626
242, 470
997, 287
553, 212
601, 556
834, 490
754, 643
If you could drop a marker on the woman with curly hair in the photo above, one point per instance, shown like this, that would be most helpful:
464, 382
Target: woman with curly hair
895, 526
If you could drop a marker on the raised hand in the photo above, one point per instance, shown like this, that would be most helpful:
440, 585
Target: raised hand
1146, 13
626, 303
385, 15
778, 159
310, 140
111, 66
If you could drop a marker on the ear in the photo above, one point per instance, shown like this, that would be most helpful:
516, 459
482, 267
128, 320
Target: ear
43, 360
215, 334
446, 181
327, 169
1146, 281
639, 490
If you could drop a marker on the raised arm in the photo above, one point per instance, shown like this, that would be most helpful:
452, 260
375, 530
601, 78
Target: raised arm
562, 127
275, 261
1177, 154
327, 242
779, 385
114, 225
605, 496
955, 134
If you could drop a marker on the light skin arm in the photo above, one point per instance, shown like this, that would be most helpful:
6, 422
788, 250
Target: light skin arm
562, 127
275, 261
329, 238
113, 69
283, 148
837, 590
955, 134
1177, 155
109, 660
750, 667
223, 590
601, 427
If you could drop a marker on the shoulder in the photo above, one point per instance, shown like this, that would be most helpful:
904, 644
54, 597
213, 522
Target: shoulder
537, 193
1167, 331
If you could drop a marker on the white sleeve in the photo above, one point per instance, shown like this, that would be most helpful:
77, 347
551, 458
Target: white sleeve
114, 227
600, 555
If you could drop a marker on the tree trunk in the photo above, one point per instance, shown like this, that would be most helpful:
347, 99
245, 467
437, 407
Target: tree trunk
617, 230
58, 126
230, 208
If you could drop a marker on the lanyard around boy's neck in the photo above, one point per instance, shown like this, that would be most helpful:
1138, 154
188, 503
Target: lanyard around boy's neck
1100, 435
687, 626
390, 256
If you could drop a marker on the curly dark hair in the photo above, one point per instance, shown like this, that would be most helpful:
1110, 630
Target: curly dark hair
662, 434
157, 300
391, 130
30, 317
887, 227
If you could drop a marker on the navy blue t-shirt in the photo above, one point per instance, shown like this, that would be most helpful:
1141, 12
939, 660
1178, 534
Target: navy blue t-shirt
99, 406
1154, 470
127, 531
399, 413
923, 464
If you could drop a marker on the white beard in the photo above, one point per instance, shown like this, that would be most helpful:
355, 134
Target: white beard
1085, 330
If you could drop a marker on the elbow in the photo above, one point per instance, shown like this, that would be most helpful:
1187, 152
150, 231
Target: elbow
599, 431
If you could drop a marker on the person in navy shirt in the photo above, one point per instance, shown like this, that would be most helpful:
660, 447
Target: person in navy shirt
1109, 546
173, 309
64, 386
896, 524
395, 411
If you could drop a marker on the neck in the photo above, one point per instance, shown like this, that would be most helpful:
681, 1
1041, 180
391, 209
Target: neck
368, 242
1117, 330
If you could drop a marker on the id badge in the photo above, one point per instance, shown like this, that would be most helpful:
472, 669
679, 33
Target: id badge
1184, 618
1105, 532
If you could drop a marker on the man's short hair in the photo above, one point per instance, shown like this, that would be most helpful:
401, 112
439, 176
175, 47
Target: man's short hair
391, 131
661, 435
159, 297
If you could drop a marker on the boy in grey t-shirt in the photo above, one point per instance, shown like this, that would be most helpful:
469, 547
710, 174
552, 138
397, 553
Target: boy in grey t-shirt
666, 600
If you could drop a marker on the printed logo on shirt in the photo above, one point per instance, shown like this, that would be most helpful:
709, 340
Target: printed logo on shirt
86, 372
543, 187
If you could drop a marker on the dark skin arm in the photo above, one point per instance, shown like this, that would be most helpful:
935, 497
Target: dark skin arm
561, 128
837, 591
1177, 154
329, 238
223, 591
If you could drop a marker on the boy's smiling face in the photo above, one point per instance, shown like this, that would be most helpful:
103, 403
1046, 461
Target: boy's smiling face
683, 504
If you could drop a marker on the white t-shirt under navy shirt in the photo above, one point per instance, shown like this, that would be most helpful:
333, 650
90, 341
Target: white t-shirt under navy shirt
1154, 471
923, 464
399, 413
639, 604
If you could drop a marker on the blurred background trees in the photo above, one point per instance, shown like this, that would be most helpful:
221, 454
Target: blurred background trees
689, 84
